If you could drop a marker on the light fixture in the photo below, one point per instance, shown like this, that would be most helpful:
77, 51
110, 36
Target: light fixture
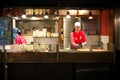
90, 15
15, 14
68, 15
15, 17
46, 15
57, 13
9, 13
33, 16
77, 14
24, 15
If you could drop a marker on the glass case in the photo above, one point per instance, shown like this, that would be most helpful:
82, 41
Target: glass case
96, 47
91, 47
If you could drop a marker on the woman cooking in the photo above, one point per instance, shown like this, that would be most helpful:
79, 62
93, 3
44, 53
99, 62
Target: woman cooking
77, 37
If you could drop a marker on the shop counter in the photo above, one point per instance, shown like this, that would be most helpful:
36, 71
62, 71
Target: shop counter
54, 53
59, 57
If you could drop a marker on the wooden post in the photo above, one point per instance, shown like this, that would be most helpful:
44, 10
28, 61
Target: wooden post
5, 64
57, 51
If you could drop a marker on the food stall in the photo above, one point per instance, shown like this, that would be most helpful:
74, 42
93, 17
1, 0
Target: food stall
50, 43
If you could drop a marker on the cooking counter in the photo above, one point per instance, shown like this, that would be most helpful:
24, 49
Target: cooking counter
37, 53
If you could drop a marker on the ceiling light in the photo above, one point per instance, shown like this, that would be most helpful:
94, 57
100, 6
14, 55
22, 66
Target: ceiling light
57, 14
90, 15
46, 15
15, 17
24, 15
68, 15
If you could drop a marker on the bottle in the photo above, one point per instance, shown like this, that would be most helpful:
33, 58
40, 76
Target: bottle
47, 49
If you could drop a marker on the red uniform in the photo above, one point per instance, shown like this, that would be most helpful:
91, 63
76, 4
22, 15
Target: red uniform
20, 40
77, 38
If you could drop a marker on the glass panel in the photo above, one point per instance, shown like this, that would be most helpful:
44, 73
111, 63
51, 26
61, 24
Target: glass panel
44, 48
90, 47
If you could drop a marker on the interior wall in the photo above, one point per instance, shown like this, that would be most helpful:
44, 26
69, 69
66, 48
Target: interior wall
104, 22
104, 28
50, 25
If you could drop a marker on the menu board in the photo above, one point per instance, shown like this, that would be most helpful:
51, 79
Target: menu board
90, 26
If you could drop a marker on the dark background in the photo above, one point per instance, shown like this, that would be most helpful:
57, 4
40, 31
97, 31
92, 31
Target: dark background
58, 71
60, 3
66, 71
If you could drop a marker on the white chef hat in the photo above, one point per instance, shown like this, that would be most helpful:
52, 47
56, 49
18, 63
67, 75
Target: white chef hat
77, 24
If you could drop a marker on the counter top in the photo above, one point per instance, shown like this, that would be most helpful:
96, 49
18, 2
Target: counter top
83, 50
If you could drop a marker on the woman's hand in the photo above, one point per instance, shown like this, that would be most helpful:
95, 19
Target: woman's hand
79, 46
84, 43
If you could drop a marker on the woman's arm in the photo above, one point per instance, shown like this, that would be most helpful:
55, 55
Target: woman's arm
72, 40
84, 40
